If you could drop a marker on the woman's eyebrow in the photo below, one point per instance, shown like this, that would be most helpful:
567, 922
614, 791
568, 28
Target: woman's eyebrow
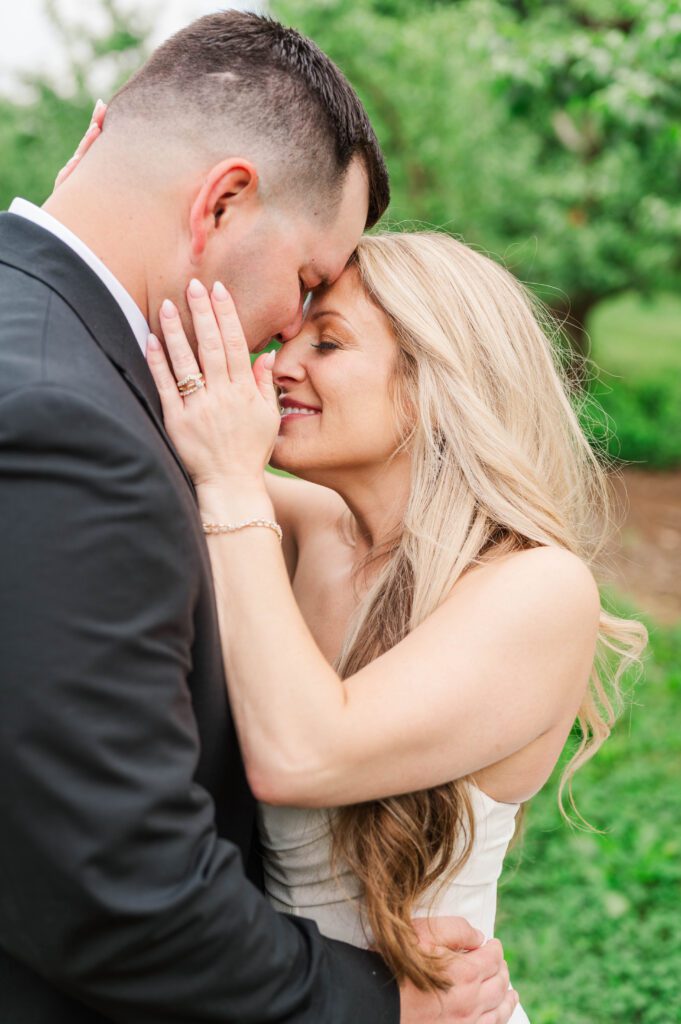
318, 313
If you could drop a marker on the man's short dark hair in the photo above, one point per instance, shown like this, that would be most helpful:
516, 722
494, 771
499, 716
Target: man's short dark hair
252, 73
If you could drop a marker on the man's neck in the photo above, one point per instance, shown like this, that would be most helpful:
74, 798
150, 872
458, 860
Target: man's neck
108, 230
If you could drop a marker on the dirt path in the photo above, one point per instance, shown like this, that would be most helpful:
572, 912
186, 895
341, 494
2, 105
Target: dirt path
645, 556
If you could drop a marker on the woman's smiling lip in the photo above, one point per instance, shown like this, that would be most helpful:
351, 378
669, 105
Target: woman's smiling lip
291, 403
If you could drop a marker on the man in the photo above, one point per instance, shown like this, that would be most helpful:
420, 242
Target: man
240, 153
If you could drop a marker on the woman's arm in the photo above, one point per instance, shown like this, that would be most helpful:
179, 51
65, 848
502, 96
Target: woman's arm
286, 513
299, 507
503, 660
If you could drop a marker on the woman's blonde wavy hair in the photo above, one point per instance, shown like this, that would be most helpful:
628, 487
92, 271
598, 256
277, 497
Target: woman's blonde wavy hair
499, 463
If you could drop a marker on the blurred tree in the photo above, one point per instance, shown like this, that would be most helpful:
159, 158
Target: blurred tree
547, 132
38, 135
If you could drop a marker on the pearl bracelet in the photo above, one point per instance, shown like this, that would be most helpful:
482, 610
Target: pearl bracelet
214, 528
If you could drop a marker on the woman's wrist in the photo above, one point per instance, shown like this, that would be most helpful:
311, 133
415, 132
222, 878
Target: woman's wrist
235, 502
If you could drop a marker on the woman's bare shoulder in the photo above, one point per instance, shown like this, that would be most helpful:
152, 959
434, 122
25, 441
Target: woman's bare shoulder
548, 566
549, 583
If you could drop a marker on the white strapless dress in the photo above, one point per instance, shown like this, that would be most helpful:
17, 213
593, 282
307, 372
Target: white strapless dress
296, 845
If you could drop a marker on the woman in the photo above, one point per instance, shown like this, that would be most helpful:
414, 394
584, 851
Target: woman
416, 651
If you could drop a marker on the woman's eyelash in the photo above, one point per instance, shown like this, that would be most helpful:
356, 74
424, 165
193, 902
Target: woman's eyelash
325, 346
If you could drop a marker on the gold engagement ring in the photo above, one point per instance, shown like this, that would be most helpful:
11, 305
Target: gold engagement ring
191, 383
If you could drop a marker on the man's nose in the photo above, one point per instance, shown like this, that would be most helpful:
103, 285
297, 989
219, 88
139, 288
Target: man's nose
294, 326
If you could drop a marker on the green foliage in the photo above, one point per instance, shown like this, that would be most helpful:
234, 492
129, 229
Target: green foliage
36, 140
590, 921
37, 136
548, 133
598, 86
636, 415
638, 337
638, 421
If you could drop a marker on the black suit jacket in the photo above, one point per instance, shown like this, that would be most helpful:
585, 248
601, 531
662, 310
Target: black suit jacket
125, 816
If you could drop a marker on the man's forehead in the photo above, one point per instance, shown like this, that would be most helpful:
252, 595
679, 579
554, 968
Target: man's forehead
341, 289
355, 194
337, 239
326, 268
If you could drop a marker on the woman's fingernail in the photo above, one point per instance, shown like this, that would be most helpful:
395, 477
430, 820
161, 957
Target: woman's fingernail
153, 342
168, 308
268, 361
219, 291
196, 289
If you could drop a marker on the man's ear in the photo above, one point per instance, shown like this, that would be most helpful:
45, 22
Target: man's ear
227, 183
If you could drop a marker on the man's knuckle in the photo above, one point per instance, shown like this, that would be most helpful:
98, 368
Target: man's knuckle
463, 974
500, 989
495, 947
471, 972
466, 1004
471, 969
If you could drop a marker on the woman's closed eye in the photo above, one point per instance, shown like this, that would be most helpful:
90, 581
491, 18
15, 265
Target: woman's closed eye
325, 346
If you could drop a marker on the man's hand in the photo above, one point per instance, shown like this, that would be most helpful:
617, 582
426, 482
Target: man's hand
478, 974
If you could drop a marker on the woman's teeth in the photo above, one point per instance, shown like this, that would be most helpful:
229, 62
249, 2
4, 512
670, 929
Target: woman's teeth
298, 412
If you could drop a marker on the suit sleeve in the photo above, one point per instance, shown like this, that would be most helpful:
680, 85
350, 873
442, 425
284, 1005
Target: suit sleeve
115, 886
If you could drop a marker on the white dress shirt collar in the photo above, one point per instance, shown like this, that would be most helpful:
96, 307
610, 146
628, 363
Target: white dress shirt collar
131, 310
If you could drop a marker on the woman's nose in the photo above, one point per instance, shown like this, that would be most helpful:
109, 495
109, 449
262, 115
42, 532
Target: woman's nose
287, 364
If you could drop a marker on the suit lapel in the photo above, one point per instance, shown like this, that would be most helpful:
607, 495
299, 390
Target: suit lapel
36, 252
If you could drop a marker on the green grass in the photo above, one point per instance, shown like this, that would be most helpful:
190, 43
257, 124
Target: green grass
637, 337
592, 923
